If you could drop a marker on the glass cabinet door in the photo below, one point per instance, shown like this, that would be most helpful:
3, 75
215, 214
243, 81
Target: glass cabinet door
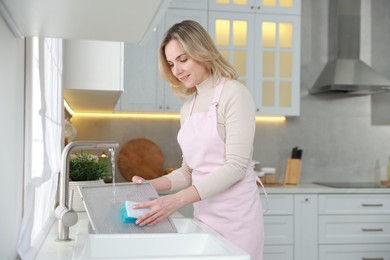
233, 35
260, 6
264, 49
277, 62
279, 6
233, 5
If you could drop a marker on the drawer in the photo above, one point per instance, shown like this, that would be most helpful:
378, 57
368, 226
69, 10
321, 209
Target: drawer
278, 230
278, 253
280, 204
355, 252
354, 204
354, 229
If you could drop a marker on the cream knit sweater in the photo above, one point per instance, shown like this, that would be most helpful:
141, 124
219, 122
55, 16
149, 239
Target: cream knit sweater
236, 126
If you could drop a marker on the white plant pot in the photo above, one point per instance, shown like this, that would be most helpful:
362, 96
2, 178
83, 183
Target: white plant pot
77, 201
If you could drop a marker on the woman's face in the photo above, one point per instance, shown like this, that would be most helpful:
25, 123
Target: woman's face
187, 70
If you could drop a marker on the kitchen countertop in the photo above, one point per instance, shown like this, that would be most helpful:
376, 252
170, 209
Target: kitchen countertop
310, 188
53, 250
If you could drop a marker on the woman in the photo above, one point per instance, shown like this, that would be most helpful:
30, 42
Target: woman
216, 138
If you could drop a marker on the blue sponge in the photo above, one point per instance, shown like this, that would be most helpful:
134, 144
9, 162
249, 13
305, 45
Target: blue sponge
130, 215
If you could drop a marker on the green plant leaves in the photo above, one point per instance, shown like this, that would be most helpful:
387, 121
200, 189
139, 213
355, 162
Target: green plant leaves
85, 167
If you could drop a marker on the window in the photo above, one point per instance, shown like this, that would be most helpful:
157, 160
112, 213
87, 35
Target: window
43, 142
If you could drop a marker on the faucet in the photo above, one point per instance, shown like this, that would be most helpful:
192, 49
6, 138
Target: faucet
66, 216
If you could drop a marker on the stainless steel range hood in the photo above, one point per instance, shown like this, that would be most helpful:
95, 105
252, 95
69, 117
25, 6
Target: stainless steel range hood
345, 72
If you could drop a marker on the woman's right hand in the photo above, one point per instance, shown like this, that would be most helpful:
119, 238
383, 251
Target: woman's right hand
137, 179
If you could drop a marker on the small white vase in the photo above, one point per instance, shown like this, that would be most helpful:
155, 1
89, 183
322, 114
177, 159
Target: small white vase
77, 200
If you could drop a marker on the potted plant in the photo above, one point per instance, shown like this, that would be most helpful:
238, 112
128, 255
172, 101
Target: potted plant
84, 169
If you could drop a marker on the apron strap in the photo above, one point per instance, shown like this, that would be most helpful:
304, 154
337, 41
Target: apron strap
265, 194
192, 105
217, 95
218, 90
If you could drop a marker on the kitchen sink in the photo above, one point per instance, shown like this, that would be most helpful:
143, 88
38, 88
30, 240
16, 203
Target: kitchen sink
192, 241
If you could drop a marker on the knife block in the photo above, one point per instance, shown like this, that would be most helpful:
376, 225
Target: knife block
293, 172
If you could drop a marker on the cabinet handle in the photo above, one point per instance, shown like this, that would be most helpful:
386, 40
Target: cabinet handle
372, 229
167, 107
306, 199
252, 7
371, 258
372, 205
259, 7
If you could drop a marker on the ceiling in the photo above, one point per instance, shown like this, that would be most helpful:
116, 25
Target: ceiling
108, 20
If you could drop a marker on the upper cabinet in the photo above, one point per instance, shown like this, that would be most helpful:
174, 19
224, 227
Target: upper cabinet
189, 4
262, 40
145, 90
103, 20
92, 75
258, 6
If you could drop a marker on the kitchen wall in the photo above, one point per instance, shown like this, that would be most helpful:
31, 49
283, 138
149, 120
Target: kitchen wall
11, 139
336, 133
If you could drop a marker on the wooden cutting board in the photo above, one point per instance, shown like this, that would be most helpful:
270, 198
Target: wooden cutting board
140, 157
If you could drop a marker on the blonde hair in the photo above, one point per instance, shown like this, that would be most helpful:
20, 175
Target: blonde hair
197, 44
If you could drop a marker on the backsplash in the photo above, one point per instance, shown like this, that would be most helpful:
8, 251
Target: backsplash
339, 140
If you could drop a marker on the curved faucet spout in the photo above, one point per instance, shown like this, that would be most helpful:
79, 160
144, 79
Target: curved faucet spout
63, 203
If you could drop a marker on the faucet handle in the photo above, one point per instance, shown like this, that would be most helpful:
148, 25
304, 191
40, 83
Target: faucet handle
67, 216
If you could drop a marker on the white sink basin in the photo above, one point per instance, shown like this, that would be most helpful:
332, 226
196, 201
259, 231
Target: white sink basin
193, 241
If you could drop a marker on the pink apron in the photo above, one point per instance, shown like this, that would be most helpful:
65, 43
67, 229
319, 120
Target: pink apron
235, 213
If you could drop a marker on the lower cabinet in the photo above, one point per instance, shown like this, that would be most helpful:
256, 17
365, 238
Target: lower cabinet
352, 252
327, 227
354, 226
279, 227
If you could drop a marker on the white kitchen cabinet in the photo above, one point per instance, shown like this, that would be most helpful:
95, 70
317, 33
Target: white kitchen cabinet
352, 252
145, 90
92, 74
258, 6
327, 226
358, 222
279, 227
264, 47
305, 226
140, 77
189, 4
354, 204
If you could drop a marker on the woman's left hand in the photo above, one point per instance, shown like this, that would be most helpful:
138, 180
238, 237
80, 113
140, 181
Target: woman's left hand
160, 209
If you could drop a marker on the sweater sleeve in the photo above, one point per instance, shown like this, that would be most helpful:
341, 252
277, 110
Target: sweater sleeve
180, 178
237, 123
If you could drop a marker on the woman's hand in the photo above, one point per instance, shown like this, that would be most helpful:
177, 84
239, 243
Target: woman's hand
160, 209
137, 179
164, 206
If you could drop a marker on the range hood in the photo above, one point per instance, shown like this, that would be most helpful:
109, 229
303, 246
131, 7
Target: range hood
345, 72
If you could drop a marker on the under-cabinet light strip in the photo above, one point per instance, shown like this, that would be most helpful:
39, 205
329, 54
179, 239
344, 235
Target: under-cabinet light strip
156, 115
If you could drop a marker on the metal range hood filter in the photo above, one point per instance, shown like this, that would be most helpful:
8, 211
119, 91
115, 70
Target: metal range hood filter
347, 73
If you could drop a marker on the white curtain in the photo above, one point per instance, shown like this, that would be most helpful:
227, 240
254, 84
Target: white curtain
43, 142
